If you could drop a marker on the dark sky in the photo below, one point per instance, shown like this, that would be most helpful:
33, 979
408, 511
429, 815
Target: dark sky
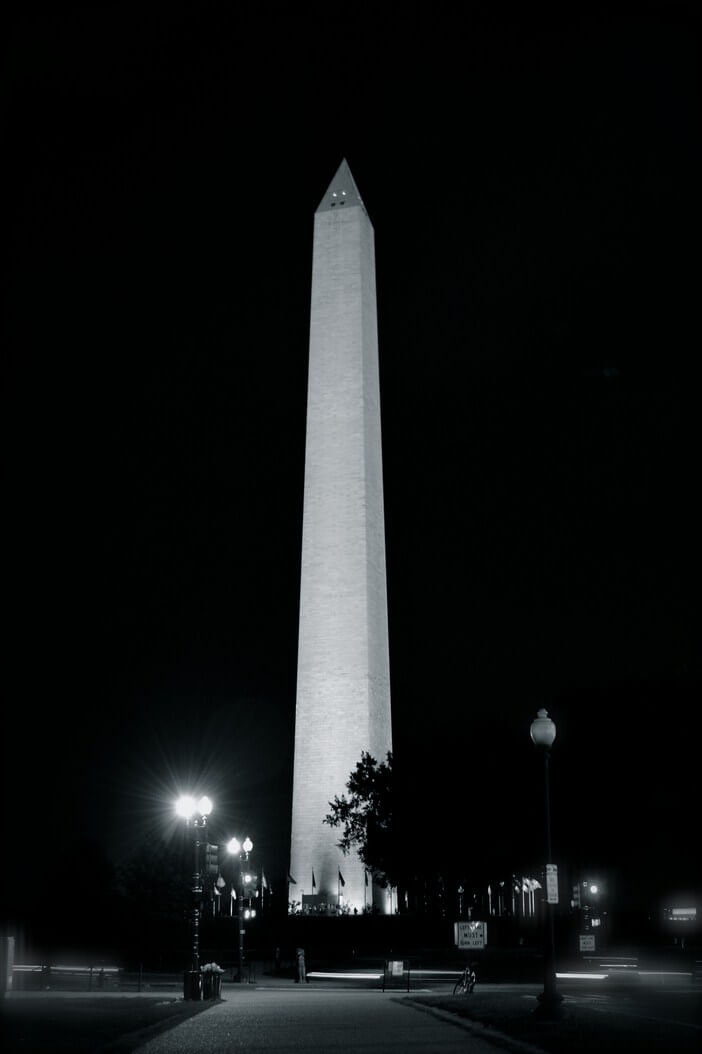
533, 184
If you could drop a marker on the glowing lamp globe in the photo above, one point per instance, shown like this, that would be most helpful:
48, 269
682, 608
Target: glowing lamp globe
543, 730
204, 806
185, 806
234, 846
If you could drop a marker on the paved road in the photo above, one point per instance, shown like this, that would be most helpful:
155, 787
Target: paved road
309, 1020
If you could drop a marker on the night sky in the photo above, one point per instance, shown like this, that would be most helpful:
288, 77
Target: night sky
534, 188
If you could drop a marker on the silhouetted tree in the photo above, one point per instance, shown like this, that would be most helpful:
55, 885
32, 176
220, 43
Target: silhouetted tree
365, 817
154, 881
154, 889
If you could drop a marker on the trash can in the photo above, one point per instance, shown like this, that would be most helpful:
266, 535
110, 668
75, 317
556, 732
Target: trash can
192, 984
211, 982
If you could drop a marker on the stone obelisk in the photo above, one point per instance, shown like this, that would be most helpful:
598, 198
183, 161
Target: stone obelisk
343, 673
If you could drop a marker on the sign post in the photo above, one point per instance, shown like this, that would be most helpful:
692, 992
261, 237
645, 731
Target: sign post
551, 884
470, 934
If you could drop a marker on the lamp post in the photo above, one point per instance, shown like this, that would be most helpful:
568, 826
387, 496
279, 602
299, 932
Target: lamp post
543, 733
195, 814
236, 848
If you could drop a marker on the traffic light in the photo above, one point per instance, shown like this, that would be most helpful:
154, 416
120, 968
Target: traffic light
591, 893
249, 881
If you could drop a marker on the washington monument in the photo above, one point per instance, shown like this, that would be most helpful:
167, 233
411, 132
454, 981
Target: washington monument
343, 671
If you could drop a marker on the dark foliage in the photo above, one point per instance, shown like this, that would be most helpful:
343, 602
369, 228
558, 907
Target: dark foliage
365, 817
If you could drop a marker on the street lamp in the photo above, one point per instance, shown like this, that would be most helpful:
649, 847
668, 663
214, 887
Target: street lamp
195, 814
237, 849
543, 733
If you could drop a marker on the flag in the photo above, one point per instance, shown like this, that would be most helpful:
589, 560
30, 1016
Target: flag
233, 893
291, 880
341, 879
314, 882
264, 880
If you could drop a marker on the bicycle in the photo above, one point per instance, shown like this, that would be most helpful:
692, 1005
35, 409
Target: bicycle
466, 982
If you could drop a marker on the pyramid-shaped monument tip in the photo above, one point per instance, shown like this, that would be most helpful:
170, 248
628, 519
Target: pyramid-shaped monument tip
342, 192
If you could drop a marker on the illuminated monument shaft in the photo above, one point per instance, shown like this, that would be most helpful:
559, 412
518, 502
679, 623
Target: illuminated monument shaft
343, 675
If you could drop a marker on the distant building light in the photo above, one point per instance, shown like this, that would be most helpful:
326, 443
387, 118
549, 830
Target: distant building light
683, 914
583, 976
346, 976
595, 922
665, 973
594, 887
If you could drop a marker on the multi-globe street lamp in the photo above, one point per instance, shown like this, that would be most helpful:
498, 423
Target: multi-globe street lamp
195, 813
239, 849
543, 733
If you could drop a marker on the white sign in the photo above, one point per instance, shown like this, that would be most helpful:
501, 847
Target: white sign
470, 934
396, 967
587, 942
551, 884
